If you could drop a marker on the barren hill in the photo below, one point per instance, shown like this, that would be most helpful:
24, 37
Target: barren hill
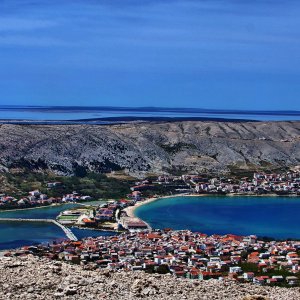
151, 147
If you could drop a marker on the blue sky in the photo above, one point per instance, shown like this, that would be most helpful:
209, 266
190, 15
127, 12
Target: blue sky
231, 54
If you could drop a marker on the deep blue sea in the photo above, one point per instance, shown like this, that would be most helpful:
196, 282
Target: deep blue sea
276, 217
104, 115
17, 234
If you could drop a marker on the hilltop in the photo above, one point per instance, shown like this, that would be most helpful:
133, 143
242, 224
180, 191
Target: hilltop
33, 278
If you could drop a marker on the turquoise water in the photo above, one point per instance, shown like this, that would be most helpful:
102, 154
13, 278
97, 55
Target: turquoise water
17, 234
276, 217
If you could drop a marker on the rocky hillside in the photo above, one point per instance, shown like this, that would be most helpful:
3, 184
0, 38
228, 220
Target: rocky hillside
32, 278
147, 148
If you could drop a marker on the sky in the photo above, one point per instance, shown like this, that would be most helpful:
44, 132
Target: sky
219, 54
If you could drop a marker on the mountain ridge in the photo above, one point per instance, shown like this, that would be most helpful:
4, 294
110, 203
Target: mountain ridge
151, 147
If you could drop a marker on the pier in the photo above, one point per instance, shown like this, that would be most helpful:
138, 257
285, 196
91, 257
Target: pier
70, 235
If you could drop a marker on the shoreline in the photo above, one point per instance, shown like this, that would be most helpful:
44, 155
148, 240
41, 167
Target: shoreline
50, 205
152, 199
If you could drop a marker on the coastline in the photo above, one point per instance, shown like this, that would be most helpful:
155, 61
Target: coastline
131, 209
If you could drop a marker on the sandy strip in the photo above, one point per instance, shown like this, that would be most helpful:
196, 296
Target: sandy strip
130, 209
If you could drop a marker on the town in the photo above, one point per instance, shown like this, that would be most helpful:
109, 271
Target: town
135, 246
36, 198
184, 254
260, 184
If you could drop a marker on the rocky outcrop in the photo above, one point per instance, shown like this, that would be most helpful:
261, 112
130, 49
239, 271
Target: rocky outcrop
147, 148
33, 278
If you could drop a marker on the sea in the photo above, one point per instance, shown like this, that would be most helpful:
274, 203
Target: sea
18, 234
264, 216
108, 115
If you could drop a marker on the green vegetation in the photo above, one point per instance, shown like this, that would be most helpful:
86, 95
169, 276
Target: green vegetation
252, 267
95, 185
249, 267
163, 269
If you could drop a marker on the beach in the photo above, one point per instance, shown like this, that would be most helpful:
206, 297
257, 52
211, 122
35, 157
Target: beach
131, 209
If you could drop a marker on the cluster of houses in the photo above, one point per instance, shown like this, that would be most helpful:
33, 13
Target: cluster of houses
106, 213
36, 198
261, 183
184, 254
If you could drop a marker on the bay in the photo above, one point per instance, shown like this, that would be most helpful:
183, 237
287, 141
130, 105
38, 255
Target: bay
275, 217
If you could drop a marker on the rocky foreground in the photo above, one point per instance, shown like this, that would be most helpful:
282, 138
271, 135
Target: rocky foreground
33, 278
151, 147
